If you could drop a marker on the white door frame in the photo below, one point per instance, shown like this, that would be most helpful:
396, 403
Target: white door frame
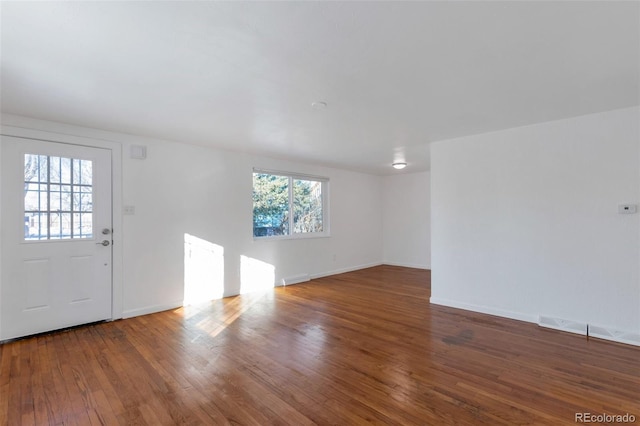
116, 205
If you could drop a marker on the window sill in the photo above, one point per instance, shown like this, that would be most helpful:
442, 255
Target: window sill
293, 237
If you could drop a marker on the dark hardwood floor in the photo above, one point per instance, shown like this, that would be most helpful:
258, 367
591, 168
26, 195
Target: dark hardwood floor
361, 347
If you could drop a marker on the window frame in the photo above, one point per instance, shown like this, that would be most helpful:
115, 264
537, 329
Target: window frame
324, 181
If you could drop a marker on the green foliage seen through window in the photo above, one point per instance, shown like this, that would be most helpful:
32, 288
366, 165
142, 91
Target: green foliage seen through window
279, 211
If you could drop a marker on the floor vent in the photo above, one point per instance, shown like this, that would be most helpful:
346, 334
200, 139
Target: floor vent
614, 335
563, 325
590, 330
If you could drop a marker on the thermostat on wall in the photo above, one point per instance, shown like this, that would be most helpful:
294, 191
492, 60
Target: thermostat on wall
627, 208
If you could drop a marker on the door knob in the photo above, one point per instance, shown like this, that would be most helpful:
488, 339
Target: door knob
106, 231
104, 243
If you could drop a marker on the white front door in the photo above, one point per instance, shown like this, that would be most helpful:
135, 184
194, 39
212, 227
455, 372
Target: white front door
56, 230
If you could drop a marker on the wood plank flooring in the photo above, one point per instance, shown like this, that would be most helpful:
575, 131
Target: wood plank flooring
361, 347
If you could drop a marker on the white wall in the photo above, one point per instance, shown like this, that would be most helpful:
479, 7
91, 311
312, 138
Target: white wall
406, 220
183, 189
525, 221
1, 239
203, 192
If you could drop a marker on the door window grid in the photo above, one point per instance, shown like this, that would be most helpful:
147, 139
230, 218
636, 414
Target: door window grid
58, 198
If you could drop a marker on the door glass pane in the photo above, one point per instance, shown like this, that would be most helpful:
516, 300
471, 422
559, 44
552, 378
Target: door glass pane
82, 172
58, 197
55, 230
64, 170
86, 225
43, 226
53, 171
32, 200
54, 200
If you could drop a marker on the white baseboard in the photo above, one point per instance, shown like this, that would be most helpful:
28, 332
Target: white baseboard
297, 279
409, 265
484, 309
620, 336
151, 309
344, 270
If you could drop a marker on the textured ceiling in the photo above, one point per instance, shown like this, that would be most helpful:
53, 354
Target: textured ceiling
243, 75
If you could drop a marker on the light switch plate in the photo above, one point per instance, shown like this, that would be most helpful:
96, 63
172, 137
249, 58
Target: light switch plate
129, 210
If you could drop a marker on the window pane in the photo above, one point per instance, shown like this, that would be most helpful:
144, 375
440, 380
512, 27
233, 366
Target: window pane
82, 202
43, 168
44, 203
65, 201
82, 225
76, 225
86, 225
270, 205
76, 171
54, 199
30, 167
307, 206
86, 172
35, 226
31, 201
56, 207
54, 170
43, 227
65, 170
55, 229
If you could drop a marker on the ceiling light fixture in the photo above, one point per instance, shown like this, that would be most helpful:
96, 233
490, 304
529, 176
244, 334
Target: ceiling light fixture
399, 165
